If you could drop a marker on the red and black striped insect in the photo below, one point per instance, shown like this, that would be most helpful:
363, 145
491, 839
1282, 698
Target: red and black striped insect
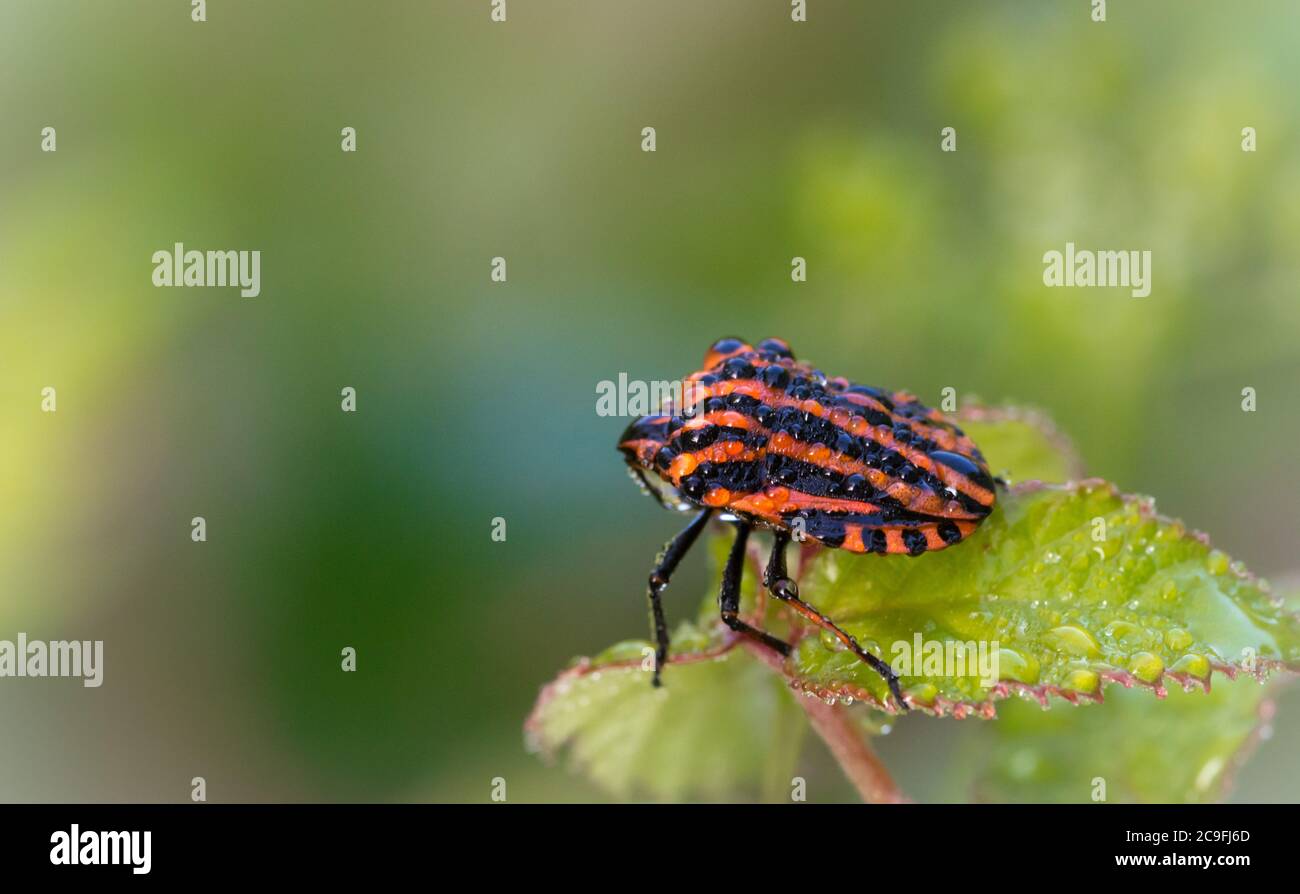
772, 443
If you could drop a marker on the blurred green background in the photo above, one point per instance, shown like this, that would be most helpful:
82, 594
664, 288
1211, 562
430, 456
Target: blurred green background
477, 400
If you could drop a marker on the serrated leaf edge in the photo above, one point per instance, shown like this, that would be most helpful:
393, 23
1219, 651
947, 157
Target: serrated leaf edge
986, 709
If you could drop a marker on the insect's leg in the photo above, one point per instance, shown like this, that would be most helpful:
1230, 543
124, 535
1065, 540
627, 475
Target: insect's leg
729, 595
780, 585
662, 573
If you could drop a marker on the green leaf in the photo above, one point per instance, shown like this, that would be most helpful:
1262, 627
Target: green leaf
722, 726
1122, 750
1063, 612
1071, 587
1021, 444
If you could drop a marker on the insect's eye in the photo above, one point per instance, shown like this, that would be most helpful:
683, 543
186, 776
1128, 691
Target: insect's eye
776, 346
722, 349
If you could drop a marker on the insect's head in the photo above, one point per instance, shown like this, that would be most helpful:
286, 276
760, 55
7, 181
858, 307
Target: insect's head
642, 445
648, 445
643, 439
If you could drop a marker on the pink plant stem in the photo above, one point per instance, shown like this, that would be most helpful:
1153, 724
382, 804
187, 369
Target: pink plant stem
852, 753
847, 744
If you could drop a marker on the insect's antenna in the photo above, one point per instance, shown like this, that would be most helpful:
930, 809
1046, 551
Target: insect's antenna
641, 481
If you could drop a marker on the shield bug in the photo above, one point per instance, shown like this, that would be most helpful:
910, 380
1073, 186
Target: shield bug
768, 442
